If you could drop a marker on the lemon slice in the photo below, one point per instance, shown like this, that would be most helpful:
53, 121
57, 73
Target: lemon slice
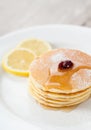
17, 61
39, 47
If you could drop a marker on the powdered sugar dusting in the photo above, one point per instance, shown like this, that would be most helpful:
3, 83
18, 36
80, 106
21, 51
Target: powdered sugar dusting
58, 57
82, 80
88, 72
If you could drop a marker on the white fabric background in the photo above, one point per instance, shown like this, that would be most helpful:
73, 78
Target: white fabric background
17, 14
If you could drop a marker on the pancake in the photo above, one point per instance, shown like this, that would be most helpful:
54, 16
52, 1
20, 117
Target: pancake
59, 97
62, 102
61, 78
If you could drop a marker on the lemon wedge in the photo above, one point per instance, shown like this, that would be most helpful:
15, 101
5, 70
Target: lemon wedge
18, 61
39, 47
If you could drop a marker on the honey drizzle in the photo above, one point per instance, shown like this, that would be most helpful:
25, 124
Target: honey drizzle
63, 81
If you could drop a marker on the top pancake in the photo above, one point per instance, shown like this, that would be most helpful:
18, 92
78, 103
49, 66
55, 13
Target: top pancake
44, 70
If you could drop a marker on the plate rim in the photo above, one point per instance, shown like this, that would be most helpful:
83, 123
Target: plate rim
44, 26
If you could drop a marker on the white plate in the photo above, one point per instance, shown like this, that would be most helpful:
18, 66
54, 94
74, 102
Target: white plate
18, 110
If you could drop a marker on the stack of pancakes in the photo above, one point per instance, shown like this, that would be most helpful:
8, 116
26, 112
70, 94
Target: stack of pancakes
56, 88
